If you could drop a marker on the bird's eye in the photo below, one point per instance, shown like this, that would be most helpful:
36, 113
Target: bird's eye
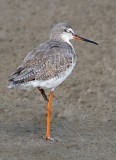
69, 31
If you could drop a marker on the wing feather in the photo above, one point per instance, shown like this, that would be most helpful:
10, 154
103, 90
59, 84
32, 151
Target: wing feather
42, 63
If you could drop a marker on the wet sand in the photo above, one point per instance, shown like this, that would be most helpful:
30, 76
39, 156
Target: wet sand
84, 106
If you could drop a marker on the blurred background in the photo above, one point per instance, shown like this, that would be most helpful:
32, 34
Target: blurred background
84, 106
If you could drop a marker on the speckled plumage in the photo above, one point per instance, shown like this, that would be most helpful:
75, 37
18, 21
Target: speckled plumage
48, 65
50, 60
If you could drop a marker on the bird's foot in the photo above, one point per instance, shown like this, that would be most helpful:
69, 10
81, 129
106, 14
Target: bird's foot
50, 138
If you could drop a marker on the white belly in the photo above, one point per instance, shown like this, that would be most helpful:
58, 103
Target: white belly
51, 83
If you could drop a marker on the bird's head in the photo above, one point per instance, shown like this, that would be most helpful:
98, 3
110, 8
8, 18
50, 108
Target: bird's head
64, 31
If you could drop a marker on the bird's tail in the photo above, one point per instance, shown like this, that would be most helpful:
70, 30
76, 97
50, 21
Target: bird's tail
12, 85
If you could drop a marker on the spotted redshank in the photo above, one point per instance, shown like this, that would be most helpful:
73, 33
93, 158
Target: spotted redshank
48, 65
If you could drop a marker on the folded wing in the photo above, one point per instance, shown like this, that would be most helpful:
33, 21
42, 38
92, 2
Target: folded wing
41, 64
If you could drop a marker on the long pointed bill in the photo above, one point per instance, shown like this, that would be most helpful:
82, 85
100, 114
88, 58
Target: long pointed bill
83, 39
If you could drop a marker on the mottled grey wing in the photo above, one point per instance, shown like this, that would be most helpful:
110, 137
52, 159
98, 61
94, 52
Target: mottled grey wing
42, 64
24, 72
52, 64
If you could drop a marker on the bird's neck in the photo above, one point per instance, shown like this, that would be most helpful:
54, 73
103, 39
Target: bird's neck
61, 39
67, 41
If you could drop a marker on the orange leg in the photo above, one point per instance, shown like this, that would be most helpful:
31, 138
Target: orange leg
49, 117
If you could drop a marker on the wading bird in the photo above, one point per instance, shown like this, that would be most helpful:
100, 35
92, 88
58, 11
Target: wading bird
48, 65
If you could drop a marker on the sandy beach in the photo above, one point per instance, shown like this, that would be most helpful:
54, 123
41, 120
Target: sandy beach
84, 106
